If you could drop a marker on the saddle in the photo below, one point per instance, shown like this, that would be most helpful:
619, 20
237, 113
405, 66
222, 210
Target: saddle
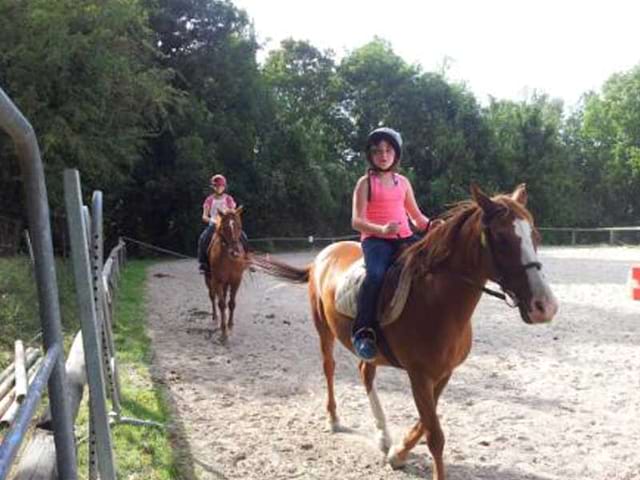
389, 305
388, 310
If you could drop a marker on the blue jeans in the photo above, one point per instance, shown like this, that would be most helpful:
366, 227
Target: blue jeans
379, 254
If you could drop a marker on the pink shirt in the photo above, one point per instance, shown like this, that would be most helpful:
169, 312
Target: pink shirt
223, 202
387, 204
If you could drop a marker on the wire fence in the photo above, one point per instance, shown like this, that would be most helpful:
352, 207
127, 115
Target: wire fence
556, 236
590, 236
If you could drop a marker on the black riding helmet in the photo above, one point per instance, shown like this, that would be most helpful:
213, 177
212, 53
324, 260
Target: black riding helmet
391, 136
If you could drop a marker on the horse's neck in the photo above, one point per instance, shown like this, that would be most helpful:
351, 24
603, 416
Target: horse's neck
217, 245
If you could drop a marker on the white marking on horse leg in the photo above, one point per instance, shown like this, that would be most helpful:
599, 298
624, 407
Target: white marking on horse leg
393, 457
383, 438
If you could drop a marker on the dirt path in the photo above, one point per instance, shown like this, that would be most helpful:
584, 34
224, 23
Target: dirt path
559, 401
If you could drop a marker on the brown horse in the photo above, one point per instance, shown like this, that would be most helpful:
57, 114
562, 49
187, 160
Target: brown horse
227, 262
442, 279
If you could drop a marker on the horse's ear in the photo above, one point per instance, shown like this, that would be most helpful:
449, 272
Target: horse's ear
481, 198
239, 210
520, 194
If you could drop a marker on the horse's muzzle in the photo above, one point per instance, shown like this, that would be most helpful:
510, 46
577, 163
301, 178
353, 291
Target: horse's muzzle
540, 310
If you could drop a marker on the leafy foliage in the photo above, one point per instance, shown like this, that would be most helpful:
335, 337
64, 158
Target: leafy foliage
149, 98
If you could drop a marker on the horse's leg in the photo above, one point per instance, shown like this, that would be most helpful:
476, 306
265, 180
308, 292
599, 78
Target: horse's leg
232, 302
368, 375
398, 454
220, 293
327, 341
424, 390
212, 296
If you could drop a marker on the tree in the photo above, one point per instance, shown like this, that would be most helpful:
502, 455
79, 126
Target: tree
612, 150
444, 133
83, 73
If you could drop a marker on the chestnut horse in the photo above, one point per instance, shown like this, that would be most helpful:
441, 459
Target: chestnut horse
227, 262
443, 276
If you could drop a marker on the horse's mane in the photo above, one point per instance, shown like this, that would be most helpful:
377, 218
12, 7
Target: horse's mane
463, 218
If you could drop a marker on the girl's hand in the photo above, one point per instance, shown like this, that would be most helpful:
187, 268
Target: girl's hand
391, 228
436, 223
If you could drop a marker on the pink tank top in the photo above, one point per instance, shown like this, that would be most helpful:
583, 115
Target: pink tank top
387, 205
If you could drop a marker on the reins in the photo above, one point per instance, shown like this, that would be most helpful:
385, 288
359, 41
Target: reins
486, 240
224, 241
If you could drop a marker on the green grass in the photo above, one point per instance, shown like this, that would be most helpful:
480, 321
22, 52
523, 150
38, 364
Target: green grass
141, 452
19, 314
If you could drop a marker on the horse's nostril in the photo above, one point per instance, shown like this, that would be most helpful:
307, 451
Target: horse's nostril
539, 305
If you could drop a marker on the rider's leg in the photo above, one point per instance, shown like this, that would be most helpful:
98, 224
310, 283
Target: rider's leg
203, 246
245, 241
378, 256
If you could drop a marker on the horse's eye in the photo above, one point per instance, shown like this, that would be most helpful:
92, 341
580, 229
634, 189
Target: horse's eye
502, 240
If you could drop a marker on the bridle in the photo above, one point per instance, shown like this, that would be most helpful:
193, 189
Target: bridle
503, 272
228, 244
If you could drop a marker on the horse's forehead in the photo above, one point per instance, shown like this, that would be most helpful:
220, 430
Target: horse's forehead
524, 230
512, 215
229, 220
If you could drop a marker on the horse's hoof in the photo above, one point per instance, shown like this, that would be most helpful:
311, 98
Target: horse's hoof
335, 426
384, 442
394, 459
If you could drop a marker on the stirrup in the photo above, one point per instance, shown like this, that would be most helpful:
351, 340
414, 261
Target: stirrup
364, 344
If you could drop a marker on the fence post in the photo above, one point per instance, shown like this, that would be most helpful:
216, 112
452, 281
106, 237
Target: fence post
90, 333
104, 314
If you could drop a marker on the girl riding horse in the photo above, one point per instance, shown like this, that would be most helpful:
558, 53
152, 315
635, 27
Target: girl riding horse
383, 201
429, 331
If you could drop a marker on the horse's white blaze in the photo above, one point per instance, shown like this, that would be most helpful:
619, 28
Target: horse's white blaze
543, 304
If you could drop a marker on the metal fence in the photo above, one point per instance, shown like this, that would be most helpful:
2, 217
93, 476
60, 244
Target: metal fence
95, 283
53, 372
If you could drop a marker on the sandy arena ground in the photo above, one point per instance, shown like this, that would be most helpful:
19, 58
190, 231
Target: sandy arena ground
558, 401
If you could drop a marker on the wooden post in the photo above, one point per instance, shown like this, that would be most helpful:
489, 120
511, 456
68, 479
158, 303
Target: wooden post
20, 371
32, 355
6, 401
573, 237
38, 460
10, 414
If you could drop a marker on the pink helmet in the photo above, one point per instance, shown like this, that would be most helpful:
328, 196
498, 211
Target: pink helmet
218, 180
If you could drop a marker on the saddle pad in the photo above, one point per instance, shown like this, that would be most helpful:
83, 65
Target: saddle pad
348, 287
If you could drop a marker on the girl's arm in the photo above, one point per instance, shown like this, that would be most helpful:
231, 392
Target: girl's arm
231, 203
418, 218
205, 213
358, 217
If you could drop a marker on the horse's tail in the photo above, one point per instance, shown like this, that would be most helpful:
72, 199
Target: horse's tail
279, 269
